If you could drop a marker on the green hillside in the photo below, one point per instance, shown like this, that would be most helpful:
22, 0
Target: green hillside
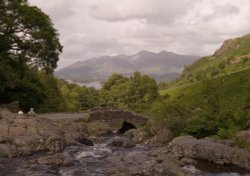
230, 90
233, 56
212, 97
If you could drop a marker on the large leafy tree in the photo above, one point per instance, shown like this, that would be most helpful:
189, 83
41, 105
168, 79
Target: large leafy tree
29, 46
27, 35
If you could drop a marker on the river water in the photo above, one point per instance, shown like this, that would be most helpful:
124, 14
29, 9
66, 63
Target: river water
95, 84
95, 161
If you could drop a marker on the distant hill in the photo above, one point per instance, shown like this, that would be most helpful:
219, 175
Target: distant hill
163, 66
232, 56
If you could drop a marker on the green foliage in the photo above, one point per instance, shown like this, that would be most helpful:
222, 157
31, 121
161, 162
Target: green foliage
53, 101
115, 91
77, 98
29, 48
135, 93
228, 132
27, 35
216, 107
170, 114
18, 83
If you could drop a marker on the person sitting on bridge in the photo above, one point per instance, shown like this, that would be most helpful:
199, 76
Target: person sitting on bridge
20, 114
31, 113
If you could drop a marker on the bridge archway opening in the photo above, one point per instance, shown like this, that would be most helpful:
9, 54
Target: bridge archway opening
125, 127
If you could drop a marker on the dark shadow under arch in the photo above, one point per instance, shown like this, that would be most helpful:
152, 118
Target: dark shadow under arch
125, 127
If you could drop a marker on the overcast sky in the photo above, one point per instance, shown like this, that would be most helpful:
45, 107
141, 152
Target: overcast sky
90, 28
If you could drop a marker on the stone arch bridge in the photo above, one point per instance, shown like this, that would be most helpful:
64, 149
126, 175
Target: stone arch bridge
116, 117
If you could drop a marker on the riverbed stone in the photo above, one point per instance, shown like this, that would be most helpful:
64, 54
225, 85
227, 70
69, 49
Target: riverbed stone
57, 159
8, 150
121, 142
190, 147
157, 163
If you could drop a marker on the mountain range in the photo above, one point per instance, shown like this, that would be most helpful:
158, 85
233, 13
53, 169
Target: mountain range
163, 66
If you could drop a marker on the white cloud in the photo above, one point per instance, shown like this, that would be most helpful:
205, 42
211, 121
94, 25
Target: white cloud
91, 28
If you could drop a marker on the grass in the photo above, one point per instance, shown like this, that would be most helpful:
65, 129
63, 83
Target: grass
231, 90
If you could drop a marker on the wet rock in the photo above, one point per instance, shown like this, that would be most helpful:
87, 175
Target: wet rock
57, 159
137, 135
143, 164
85, 141
55, 144
76, 133
8, 150
190, 147
121, 142
131, 133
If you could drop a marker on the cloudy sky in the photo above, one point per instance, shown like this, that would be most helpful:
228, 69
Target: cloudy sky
90, 28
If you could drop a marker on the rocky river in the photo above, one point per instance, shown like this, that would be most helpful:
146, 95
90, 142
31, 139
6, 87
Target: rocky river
113, 154
66, 145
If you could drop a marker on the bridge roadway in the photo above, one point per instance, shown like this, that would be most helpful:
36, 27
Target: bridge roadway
63, 116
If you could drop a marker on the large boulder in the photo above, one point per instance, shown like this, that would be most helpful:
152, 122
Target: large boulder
24, 135
206, 149
157, 163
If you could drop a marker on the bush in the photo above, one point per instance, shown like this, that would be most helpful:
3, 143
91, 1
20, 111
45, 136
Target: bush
172, 115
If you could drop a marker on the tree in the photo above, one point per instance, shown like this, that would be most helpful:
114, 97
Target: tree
114, 91
27, 35
134, 93
142, 90
29, 47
